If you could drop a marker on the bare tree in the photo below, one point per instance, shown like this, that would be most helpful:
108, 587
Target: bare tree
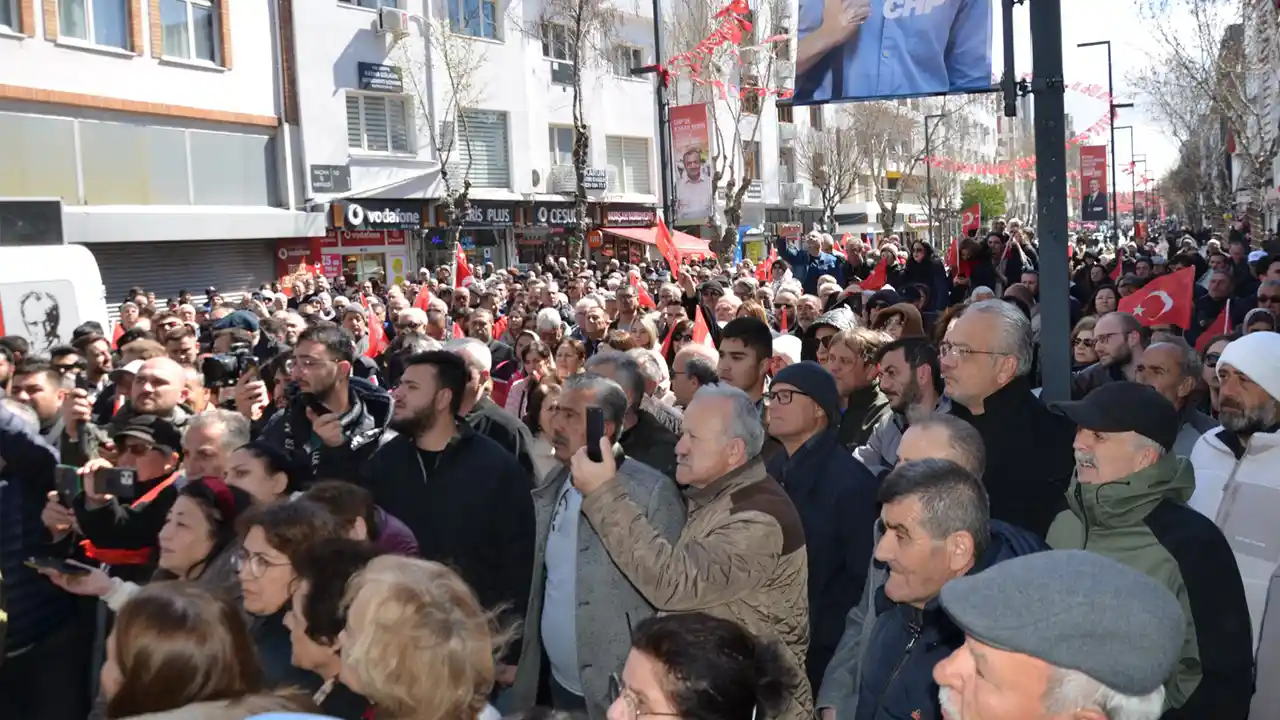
737, 81
1215, 61
833, 160
454, 60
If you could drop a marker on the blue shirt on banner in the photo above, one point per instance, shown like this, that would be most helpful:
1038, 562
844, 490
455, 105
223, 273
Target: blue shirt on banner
903, 48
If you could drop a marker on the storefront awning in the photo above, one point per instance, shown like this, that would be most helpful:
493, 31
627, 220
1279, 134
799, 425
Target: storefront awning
692, 247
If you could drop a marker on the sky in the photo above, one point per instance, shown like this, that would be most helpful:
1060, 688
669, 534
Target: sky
1091, 21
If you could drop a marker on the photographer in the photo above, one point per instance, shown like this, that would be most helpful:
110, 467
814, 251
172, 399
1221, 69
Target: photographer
159, 389
335, 421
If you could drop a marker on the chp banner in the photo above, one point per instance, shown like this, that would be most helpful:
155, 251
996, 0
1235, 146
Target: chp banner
690, 156
880, 49
1094, 202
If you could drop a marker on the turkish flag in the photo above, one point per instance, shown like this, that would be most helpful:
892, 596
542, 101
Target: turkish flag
500, 326
423, 301
971, 219
667, 246
457, 331
782, 321
877, 278
1221, 325
701, 333
1119, 268
953, 254
378, 342
764, 271
646, 300
1163, 301
845, 239
463, 277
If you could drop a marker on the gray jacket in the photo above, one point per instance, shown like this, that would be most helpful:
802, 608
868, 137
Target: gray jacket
608, 605
1194, 424
880, 454
839, 689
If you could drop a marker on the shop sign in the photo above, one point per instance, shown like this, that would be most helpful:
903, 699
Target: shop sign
595, 239
486, 215
383, 215
644, 217
363, 238
595, 179
331, 265
330, 178
380, 78
554, 214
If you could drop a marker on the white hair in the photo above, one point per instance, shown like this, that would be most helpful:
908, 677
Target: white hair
548, 319
1014, 331
652, 366
787, 346
235, 427
1069, 690
473, 351
417, 315
982, 291
587, 303
745, 421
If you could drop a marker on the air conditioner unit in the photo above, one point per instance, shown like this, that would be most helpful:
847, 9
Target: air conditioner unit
393, 20
562, 180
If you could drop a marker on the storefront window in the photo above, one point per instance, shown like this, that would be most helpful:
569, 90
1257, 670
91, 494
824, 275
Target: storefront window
365, 266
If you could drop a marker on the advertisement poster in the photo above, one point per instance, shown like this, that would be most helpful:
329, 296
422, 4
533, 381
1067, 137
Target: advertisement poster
1094, 202
691, 155
885, 49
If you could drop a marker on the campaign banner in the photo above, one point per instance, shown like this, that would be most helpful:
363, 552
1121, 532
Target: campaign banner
1094, 203
880, 49
691, 158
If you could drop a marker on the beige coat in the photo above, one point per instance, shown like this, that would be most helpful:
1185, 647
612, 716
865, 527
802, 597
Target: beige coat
741, 557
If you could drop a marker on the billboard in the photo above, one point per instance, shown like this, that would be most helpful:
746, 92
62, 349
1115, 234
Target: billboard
1094, 203
695, 202
892, 48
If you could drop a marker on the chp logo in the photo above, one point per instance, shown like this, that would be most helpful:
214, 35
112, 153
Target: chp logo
358, 216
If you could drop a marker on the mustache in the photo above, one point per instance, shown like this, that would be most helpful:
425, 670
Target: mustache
949, 703
559, 439
1085, 459
1227, 403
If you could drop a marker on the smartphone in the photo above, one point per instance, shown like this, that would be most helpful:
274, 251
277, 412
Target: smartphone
316, 406
595, 431
66, 480
120, 482
57, 565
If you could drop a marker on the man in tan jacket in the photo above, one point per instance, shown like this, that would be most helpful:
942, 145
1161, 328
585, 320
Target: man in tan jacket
741, 555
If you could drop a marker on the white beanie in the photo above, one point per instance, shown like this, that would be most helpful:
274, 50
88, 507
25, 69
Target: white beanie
1254, 355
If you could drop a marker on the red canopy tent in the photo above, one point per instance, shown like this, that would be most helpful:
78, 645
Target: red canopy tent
691, 247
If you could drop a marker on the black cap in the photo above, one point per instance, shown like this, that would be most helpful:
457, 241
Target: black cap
1125, 407
156, 431
711, 286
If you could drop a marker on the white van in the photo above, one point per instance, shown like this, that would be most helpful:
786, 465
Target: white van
48, 290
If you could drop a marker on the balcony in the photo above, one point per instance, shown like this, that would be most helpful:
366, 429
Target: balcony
784, 74
786, 132
794, 193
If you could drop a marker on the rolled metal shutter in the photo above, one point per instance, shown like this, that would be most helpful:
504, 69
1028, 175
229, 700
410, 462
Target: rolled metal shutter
635, 155
490, 155
234, 267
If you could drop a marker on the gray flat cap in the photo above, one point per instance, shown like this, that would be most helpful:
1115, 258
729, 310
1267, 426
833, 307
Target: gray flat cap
1075, 610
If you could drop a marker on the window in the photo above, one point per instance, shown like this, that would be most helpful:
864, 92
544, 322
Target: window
782, 48
626, 57
378, 123
189, 29
751, 160
561, 141
751, 100
372, 4
482, 152
815, 117
557, 42
477, 18
8, 14
786, 164
101, 22
628, 161
785, 113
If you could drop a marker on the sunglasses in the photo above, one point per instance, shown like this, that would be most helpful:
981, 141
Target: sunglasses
1212, 359
1268, 298
135, 449
1083, 342
826, 341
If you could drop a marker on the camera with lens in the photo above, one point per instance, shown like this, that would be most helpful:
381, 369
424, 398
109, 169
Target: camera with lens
225, 369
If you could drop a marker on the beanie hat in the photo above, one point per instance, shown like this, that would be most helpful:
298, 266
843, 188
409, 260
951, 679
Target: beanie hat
1254, 355
814, 381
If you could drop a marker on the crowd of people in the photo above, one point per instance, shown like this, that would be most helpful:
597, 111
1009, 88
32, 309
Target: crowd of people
602, 490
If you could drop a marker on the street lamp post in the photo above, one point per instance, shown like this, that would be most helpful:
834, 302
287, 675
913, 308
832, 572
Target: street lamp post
1111, 97
928, 173
1141, 160
1133, 194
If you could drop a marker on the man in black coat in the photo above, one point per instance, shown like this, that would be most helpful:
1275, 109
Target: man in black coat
480, 411
465, 499
985, 359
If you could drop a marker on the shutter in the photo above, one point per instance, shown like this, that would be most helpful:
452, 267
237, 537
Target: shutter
635, 158
486, 140
355, 138
397, 112
375, 124
165, 268
613, 163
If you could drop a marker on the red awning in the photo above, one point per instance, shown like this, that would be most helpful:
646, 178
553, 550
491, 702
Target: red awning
692, 247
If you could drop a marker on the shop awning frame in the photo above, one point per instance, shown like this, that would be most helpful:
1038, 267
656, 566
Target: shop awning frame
693, 247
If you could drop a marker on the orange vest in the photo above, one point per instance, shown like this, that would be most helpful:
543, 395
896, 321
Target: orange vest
140, 556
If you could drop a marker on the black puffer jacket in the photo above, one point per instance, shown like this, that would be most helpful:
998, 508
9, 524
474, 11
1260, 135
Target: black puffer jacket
362, 427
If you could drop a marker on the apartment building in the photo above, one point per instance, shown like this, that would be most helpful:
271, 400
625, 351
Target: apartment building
150, 132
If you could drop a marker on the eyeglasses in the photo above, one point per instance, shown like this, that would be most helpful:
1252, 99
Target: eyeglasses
307, 363
1268, 299
961, 352
825, 342
257, 563
1100, 338
630, 704
783, 397
136, 449
1083, 342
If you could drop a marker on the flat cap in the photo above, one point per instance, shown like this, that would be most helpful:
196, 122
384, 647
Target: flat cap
1075, 610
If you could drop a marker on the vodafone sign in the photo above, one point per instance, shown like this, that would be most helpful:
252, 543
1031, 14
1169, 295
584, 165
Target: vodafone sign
379, 215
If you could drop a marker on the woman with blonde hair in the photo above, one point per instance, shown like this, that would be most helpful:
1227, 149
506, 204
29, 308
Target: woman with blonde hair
417, 643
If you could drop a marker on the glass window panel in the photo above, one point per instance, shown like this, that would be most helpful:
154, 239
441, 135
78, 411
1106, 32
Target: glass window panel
177, 35
355, 138
375, 124
202, 17
398, 114
72, 20
111, 23
490, 29
7, 18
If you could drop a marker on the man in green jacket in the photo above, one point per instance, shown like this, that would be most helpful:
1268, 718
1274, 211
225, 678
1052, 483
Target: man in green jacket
1127, 501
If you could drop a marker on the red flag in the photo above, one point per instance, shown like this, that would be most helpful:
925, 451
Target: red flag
666, 342
457, 331
1220, 326
764, 271
423, 301
378, 342
463, 276
115, 335
972, 219
646, 300
500, 326
1115, 271
877, 278
953, 254
667, 246
782, 321
701, 333
845, 239
1165, 300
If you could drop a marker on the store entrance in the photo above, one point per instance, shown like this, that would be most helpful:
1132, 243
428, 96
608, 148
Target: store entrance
365, 266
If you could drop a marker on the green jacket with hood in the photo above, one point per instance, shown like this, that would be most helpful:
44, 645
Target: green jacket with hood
1143, 521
